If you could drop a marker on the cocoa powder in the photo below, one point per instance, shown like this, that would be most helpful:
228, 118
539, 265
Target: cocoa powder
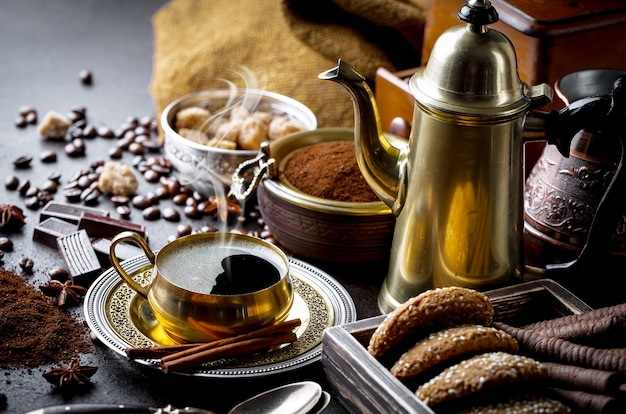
33, 330
329, 170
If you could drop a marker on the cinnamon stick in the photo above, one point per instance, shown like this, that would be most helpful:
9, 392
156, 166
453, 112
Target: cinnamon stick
156, 352
281, 327
228, 350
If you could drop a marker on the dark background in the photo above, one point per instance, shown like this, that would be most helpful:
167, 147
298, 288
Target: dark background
43, 47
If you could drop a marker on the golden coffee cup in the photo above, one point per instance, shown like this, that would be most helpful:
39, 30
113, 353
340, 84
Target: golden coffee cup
209, 286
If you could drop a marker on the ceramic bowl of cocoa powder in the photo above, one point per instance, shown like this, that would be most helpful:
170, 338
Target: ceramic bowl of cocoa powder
317, 204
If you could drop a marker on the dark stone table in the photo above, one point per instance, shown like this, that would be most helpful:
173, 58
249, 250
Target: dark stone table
44, 47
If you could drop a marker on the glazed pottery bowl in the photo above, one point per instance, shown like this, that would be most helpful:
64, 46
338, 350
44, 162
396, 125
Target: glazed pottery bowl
205, 167
315, 228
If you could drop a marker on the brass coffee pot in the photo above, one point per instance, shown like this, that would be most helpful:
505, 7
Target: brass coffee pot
457, 186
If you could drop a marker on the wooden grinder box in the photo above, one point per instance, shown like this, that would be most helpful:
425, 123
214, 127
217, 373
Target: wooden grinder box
551, 38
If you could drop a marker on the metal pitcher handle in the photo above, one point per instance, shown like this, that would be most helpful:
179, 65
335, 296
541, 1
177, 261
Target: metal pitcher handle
239, 188
607, 112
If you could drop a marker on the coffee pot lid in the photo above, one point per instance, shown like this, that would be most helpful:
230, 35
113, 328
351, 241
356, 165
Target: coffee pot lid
472, 69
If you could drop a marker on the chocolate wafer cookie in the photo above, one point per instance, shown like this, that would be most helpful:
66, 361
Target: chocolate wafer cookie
478, 374
436, 308
448, 345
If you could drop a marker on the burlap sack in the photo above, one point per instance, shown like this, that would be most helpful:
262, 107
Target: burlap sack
285, 44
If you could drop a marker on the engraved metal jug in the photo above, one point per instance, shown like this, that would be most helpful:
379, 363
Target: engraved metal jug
457, 186
562, 194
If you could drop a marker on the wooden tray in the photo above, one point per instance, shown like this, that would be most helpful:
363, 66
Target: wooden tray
363, 385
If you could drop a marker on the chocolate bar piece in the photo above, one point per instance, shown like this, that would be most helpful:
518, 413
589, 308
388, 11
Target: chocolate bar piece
68, 212
50, 229
123, 251
80, 257
107, 227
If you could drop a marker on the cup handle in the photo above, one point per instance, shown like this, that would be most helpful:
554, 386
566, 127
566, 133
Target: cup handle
130, 236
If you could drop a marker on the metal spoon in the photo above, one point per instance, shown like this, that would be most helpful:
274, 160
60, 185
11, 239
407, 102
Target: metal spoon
294, 398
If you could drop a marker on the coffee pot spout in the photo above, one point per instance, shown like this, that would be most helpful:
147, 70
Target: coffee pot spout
381, 162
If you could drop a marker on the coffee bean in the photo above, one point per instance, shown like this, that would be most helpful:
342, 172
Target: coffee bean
50, 186
90, 195
152, 213
27, 264
105, 132
32, 191
72, 194
11, 182
26, 109
136, 148
23, 187
191, 211
116, 153
6, 244
20, 122
54, 176
90, 131
171, 214
151, 176
73, 151
85, 77
183, 229
119, 200
48, 157
141, 202
22, 161
123, 210
180, 199
59, 273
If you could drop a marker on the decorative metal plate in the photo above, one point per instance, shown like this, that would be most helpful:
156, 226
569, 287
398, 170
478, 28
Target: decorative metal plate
120, 318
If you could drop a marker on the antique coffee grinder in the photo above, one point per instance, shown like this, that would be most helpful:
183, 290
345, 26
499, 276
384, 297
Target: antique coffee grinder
457, 186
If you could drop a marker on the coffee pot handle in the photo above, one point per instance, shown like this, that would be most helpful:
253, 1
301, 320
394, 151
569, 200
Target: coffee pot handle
608, 114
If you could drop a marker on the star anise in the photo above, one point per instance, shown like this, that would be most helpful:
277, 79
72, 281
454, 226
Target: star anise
11, 218
66, 293
72, 375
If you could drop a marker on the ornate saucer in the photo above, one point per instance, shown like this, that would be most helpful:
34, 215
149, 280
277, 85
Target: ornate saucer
120, 318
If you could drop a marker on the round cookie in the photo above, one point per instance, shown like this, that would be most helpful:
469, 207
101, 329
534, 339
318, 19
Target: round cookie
477, 374
449, 344
435, 308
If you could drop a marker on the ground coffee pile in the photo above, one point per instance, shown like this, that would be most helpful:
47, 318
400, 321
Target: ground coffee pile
33, 330
329, 170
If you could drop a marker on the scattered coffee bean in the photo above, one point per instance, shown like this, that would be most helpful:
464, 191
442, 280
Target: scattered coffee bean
73, 151
105, 132
119, 200
151, 176
152, 213
183, 230
11, 182
6, 244
23, 187
48, 157
141, 202
20, 122
54, 176
171, 214
22, 161
59, 273
85, 76
1, 256
27, 264
116, 153
123, 210
72, 194
191, 211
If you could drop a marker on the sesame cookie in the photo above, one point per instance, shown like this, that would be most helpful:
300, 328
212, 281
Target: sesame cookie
435, 308
478, 374
520, 404
449, 344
